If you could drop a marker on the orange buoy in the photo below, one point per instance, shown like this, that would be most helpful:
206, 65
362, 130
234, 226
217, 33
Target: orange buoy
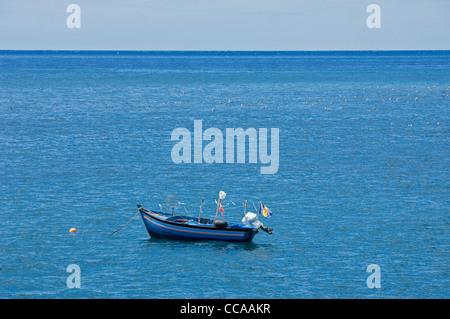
73, 230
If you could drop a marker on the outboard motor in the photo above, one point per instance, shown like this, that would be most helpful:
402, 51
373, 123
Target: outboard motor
251, 219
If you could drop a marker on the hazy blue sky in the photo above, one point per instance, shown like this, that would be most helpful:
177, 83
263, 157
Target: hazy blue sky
225, 25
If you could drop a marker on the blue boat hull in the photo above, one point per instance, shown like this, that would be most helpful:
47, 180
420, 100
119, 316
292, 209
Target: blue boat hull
159, 226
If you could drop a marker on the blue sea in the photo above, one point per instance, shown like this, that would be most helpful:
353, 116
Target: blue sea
363, 173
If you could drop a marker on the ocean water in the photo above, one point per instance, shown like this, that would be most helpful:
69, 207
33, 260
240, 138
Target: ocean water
363, 173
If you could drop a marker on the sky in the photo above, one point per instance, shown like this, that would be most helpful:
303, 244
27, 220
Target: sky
225, 25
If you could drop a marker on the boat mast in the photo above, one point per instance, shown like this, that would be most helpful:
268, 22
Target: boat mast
200, 214
222, 195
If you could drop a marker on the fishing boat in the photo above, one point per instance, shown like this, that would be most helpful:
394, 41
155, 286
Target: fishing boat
175, 226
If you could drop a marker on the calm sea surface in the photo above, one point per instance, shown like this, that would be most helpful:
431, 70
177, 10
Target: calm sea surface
363, 173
